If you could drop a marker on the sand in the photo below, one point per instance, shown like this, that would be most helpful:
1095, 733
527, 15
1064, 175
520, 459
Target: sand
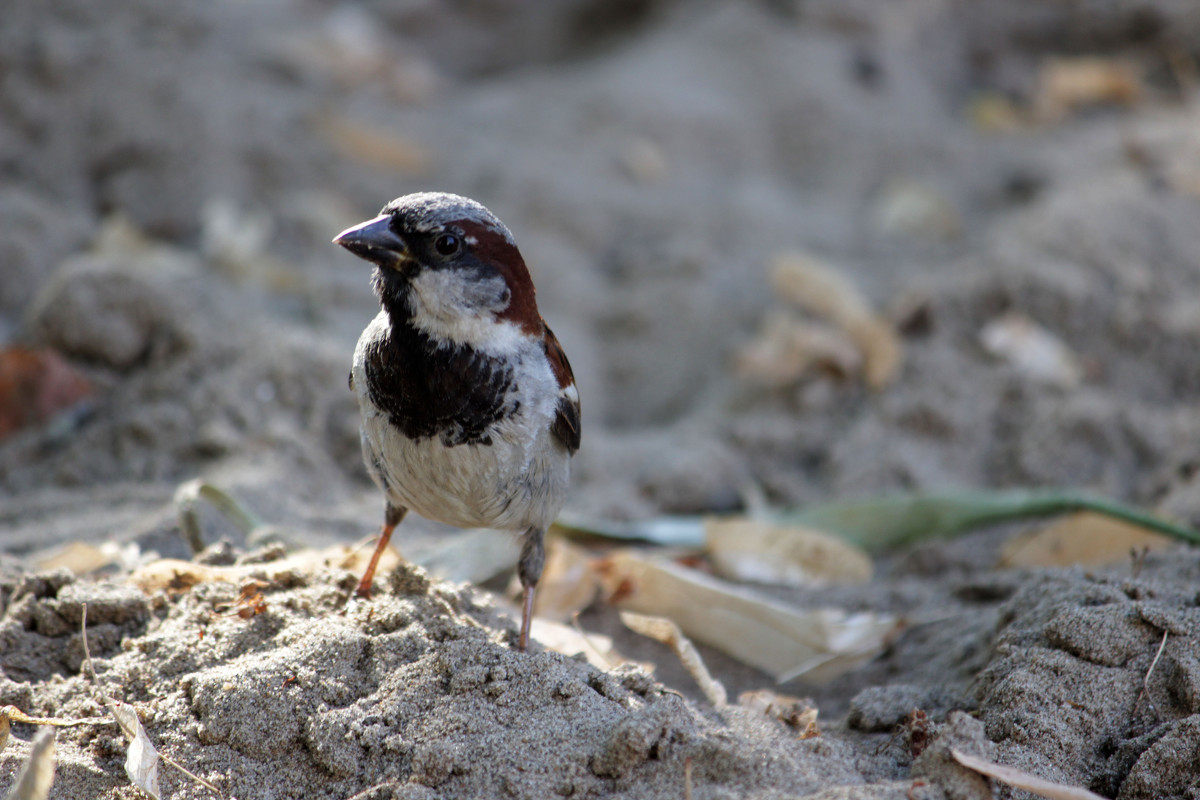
173, 175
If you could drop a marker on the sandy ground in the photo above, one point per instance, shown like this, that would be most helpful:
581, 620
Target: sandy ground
173, 174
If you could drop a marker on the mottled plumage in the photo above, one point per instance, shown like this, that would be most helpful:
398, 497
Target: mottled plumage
469, 408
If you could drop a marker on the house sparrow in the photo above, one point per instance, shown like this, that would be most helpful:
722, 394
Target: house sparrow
470, 413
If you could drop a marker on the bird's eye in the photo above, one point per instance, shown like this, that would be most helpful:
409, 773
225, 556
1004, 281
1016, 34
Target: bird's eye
447, 244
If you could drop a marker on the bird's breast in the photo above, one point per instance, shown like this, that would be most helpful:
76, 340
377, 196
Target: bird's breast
457, 434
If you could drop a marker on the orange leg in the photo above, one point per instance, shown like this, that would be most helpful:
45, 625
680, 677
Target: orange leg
392, 518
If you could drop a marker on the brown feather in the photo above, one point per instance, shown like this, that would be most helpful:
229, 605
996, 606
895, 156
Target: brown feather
566, 425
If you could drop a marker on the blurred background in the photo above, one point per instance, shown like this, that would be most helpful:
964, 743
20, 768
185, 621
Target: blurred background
796, 250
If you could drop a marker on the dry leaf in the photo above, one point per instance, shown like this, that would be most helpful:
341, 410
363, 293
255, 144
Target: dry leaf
374, 147
571, 641
1023, 780
1082, 538
881, 349
787, 349
569, 581
817, 288
79, 557
816, 644
1032, 350
1066, 85
141, 761
789, 555
250, 601
665, 631
914, 208
33, 783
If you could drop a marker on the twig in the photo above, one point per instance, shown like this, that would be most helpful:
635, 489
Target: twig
190, 774
356, 548
1138, 557
87, 654
1145, 692
15, 714
665, 631
132, 726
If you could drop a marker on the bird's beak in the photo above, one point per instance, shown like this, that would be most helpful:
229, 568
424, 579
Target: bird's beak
374, 241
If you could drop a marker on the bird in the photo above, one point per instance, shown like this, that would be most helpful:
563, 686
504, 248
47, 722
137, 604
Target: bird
468, 406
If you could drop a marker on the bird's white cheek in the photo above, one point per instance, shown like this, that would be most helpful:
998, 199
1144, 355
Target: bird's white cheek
453, 308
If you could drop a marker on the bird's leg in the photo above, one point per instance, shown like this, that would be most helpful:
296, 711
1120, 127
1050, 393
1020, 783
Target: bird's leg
391, 518
529, 569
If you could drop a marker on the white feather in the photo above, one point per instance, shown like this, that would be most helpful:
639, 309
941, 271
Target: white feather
452, 307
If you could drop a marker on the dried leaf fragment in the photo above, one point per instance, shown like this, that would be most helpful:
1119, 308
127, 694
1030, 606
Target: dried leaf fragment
1022, 780
1083, 538
1067, 85
569, 581
597, 648
1031, 350
787, 349
818, 644
665, 631
33, 783
141, 760
916, 208
789, 555
79, 557
250, 601
816, 287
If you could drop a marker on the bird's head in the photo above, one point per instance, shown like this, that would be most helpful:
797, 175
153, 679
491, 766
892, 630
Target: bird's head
444, 261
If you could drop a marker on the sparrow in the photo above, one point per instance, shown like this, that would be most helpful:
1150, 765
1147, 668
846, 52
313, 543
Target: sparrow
469, 410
